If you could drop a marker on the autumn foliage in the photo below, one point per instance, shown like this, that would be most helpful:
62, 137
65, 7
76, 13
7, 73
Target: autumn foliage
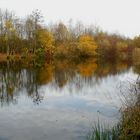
87, 45
31, 37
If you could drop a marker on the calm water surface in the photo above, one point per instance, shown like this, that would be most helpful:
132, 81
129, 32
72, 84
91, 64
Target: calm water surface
59, 100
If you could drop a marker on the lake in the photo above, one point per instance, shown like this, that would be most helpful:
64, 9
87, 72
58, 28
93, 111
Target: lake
60, 100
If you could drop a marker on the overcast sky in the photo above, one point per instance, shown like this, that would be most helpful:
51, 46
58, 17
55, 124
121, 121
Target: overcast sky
121, 16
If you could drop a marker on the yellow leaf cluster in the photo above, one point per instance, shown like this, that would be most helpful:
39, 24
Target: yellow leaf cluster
87, 44
45, 38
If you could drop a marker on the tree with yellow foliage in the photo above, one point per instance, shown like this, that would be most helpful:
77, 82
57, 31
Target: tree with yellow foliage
45, 42
87, 46
45, 39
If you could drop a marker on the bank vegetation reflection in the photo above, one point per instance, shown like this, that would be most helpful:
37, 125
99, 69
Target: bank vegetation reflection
18, 78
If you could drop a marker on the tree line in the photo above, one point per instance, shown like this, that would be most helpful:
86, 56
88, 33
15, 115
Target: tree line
29, 36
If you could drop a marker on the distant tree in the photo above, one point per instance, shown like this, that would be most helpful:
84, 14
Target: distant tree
122, 50
33, 24
45, 41
79, 29
87, 45
136, 41
61, 33
122, 46
10, 35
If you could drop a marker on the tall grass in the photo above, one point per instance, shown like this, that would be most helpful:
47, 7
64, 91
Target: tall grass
100, 132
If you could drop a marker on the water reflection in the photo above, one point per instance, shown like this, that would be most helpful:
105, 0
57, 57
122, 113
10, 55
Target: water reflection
17, 78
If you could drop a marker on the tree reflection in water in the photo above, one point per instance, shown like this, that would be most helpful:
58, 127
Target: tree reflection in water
18, 78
